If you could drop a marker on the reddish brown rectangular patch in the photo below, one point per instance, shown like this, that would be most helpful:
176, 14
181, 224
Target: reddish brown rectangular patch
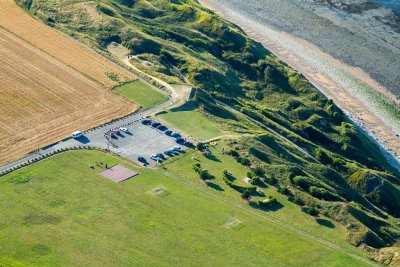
118, 173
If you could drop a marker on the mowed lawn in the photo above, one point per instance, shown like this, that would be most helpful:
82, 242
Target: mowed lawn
59, 212
192, 122
142, 93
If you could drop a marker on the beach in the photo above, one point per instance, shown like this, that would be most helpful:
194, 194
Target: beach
370, 105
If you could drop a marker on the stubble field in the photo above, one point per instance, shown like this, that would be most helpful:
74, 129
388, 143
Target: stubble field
50, 85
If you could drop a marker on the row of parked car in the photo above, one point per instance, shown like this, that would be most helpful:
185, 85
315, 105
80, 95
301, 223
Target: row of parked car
114, 132
168, 132
162, 156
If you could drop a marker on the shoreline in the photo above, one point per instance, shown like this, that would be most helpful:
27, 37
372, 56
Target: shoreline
367, 104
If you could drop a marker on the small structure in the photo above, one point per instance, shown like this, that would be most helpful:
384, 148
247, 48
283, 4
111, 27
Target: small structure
118, 173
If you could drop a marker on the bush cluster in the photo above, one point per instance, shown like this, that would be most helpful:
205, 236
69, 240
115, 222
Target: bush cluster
268, 202
203, 174
227, 178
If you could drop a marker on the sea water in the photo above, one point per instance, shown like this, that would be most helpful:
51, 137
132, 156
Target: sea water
393, 4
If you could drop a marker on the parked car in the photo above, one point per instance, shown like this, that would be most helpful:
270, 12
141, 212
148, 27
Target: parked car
123, 129
143, 160
161, 155
173, 152
155, 158
180, 140
162, 128
116, 131
168, 132
175, 134
113, 135
155, 124
168, 153
189, 144
77, 134
146, 122
178, 148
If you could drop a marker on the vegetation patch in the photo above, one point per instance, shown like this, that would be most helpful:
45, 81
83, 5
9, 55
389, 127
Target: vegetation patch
41, 249
39, 219
142, 93
159, 191
234, 224
192, 122
20, 178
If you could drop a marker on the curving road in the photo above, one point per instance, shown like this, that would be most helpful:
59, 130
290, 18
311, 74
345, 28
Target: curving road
154, 143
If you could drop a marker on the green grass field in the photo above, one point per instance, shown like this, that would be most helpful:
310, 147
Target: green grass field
288, 212
59, 212
142, 94
192, 122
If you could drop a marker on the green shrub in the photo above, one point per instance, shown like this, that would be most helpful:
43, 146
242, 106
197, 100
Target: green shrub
233, 153
259, 171
322, 193
303, 182
322, 156
228, 178
271, 180
205, 175
297, 200
259, 154
106, 10
128, 3
243, 161
197, 167
245, 194
268, 202
19, 179
283, 190
311, 211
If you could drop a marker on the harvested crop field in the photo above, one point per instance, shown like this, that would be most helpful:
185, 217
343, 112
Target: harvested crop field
43, 97
60, 46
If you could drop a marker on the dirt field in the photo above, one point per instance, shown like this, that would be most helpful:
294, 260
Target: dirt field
43, 98
14, 19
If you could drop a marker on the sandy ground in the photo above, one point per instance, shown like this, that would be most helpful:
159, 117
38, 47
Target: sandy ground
332, 77
43, 97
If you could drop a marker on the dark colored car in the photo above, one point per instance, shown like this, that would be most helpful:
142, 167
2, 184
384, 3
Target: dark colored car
162, 128
168, 153
175, 134
161, 155
143, 160
189, 144
146, 122
155, 124
168, 132
180, 140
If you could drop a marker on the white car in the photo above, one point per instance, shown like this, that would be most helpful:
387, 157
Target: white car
123, 129
155, 158
178, 148
77, 134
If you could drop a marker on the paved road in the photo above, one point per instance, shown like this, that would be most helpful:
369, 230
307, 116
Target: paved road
143, 141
